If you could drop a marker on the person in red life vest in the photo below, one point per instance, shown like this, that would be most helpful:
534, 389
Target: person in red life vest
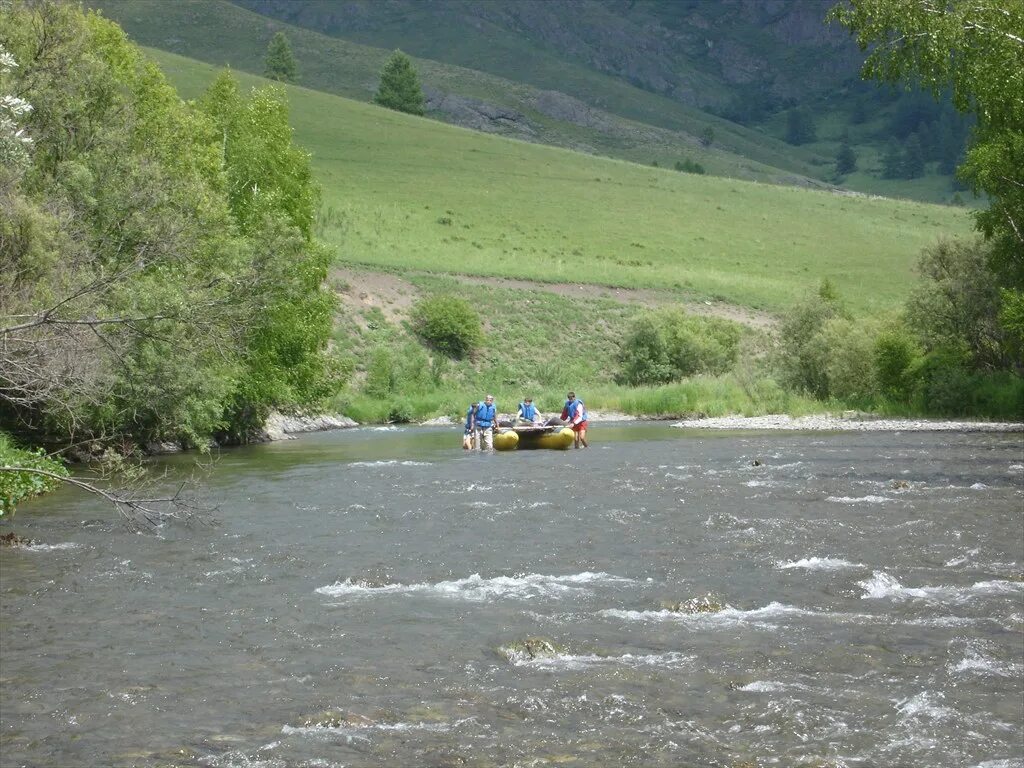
486, 422
576, 414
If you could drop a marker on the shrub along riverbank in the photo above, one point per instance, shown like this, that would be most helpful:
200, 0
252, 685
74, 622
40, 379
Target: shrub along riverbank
664, 362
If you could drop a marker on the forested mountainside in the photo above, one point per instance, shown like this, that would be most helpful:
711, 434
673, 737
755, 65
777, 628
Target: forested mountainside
706, 54
775, 66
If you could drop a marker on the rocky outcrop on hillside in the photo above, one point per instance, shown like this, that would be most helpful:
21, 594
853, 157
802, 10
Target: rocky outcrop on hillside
478, 115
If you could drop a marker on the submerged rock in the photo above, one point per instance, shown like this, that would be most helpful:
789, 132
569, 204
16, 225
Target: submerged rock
14, 540
531, 648
707, 604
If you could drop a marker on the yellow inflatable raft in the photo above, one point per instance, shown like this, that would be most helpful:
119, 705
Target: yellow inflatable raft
526, 438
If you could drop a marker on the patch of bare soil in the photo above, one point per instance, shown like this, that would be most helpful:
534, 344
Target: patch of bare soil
395, 296
362, 289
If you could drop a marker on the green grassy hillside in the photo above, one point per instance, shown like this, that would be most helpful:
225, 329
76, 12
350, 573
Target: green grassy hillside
657, 72
410, 193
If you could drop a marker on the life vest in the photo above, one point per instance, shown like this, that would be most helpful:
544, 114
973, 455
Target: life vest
571, 407
469, 416
529, 411
484, 415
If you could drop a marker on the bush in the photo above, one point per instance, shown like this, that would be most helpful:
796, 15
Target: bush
689, 166
670, 345
449, 325
17, 486
803, 353
957, 304
895, 352
849, 359
943, 383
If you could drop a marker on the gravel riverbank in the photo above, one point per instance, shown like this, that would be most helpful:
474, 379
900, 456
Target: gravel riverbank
828, 423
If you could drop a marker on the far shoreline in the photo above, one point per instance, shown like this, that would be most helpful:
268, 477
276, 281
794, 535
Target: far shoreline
858, 423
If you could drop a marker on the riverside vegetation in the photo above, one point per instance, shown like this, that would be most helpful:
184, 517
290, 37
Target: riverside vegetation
194, 311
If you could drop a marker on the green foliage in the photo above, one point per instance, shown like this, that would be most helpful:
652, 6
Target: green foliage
399, 87
265, 172
163, 250
803, 351
892, 161
913, 158
800, 127
707, 136
850, 359
944, 383
18, 486
280, 61
689, 166
977, 50
896, 353
669, 345
400, 368
846, 159
957, 304
448, 324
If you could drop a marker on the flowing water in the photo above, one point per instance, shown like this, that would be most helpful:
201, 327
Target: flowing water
365, 597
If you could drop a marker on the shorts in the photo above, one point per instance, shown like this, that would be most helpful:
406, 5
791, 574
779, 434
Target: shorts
581, 427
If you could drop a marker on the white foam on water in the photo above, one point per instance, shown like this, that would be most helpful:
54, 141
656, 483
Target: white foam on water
975, 662
818, 564
771, 686
869, 499
357, 730
1011, 762
237, 759
761, 483
924, 706
476, 588
390, 463
882, 585
240, 565
728, 616
48, 547
962, 560
565, 662
979, 487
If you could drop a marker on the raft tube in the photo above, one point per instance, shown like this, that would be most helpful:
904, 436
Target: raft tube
508, 440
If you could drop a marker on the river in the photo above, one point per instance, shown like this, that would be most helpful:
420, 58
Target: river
364, 597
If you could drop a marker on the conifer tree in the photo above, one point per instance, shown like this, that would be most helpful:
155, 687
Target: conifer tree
913, 158
800, 126
892, 161
280, 62
400, 86
846, 160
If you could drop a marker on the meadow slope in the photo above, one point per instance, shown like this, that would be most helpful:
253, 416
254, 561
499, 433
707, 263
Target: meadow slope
410, 193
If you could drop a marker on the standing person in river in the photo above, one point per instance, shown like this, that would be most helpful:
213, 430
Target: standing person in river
576, 414
485, 424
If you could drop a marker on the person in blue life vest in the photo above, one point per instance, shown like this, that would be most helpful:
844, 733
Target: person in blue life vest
485, 424
467, 432
528, 411
575, 412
